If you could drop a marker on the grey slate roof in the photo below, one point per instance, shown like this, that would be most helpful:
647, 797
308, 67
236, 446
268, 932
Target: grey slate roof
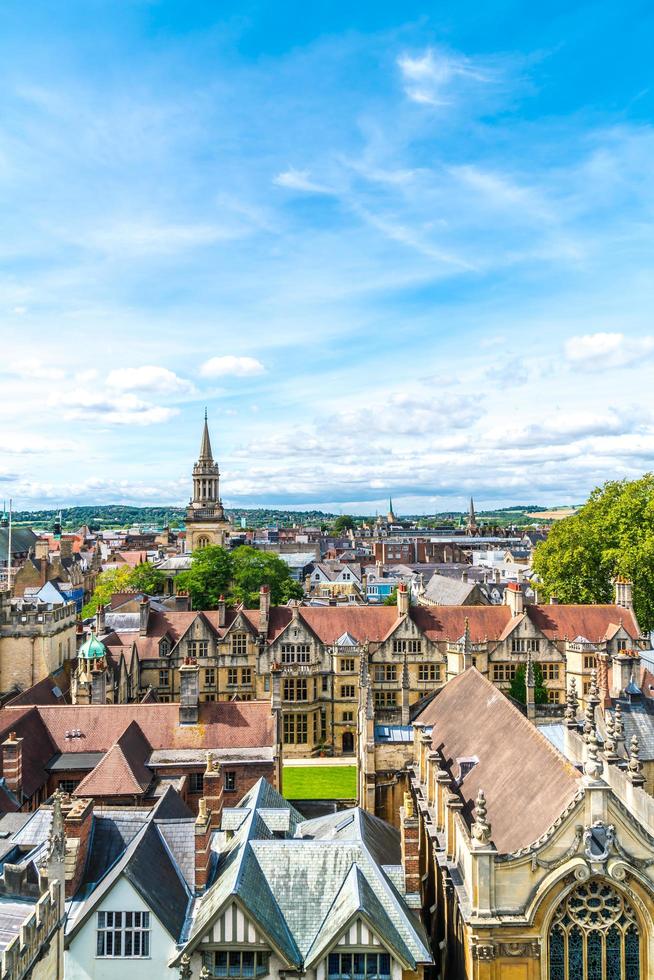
22, 539
445, 591
335, 863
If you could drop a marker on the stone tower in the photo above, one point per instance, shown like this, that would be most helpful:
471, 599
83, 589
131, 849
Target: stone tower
206, 522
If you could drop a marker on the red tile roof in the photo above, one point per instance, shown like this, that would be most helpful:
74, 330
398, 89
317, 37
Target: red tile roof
122, 771
222, 724
558, 621
526, 781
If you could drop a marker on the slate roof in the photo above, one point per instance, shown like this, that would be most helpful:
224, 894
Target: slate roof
527, 782
22, 539
445, 591
335, 863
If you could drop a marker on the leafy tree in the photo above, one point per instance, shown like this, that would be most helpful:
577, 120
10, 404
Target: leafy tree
113, 580
146, 578
518, 689
343, 524
252, 569
611, 535
391, 599
208, 578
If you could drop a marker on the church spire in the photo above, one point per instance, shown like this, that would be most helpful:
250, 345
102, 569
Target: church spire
205, 447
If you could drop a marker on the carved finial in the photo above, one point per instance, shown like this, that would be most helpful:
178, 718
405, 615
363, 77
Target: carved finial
593, 765
57, 837
618, 724
204, 973
572, 705
202, 808
481, 828
408, 805
609, 741
185, 967
593, 690
530, 680
635, 766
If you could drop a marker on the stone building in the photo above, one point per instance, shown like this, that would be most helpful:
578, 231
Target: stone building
206, 521
532, 867
35, 640
315, 653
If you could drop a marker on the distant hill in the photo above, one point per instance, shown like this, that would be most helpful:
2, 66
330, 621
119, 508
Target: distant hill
103, 516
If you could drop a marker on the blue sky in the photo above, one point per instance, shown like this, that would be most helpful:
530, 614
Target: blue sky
402, 249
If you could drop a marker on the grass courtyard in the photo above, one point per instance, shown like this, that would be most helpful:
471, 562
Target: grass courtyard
320, 782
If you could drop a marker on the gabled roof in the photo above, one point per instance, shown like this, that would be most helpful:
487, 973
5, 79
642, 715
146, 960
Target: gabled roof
526, 781
122, 771
302, 885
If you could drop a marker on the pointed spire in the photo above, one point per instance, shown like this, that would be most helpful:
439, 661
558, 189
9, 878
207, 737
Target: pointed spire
405, 674
481, 828
57, 836
205, 447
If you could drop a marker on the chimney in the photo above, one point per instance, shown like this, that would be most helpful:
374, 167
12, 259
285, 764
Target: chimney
144, 613
66, 548
402, 599
623, 592
264, 610
624, 664
221, 611
409, 832
554, 600
189, 692
212, 791
202, 846
78, 821
99, 685
464, 575
514, 598
43, 571
100, 620
379, 569
12, 764
41, 548
497, 577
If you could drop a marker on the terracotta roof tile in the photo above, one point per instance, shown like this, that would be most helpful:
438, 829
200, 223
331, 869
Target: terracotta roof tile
222, 724
593, 622
122, 771
527, 782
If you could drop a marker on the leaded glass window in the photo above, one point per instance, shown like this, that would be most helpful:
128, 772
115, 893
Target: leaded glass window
594, 936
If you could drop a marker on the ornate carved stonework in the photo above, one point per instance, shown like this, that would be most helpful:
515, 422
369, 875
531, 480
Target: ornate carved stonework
530, 949
483, 951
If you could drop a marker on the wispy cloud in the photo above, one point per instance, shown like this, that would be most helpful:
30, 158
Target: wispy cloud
429, 78
228, 365
607, 351
299, 180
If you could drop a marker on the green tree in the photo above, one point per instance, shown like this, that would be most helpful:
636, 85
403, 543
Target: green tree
113, 580
343, 524
518, 689
209, 577
252, 569
391, 599
611, 535
146, 578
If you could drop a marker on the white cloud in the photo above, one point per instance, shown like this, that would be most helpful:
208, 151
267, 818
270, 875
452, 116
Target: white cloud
604, 351
149, 377
299, 180
35, 370
110, 409
230, 365
429, 78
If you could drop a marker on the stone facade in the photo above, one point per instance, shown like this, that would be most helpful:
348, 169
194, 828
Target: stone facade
34, 641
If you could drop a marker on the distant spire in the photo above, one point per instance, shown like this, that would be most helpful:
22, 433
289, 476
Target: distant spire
472, 519
205, 447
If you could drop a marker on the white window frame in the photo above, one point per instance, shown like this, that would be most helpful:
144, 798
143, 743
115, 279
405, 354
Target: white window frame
111, 923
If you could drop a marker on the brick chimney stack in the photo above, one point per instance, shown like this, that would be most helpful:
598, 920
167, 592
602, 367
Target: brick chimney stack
409, 831
12, 764
264, 610
78, 821
221, 611
144, 613
212, 791
189, 696
66, 548
402, 599
514, 598
203, 831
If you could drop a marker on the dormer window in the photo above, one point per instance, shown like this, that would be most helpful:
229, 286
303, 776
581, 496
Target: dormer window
243, 963
164, 647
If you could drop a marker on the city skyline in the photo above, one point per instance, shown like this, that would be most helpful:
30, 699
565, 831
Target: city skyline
395, 254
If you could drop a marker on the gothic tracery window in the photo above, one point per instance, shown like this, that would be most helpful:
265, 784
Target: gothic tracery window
594, 936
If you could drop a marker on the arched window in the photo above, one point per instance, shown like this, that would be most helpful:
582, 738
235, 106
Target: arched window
594, 936
203, 542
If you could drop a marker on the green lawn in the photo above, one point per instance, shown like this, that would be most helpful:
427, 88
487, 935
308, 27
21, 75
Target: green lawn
320, 782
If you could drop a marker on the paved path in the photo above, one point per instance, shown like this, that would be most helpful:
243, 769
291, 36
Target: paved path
347, 760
